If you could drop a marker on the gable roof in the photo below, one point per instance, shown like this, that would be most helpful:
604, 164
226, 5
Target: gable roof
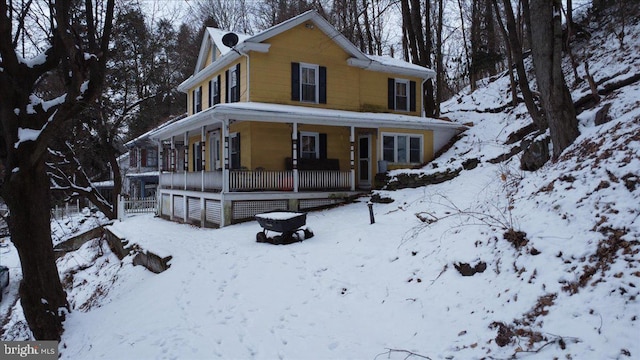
248, 43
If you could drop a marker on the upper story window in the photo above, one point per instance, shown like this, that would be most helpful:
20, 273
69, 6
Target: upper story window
133, 157
233, 84
308, 83
402, 95
402, 148
197, 100
214, 91
152, 157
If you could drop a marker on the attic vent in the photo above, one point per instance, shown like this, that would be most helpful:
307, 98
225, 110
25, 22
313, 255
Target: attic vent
230, 39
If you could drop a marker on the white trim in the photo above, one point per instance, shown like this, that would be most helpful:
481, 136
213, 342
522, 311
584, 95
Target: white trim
316, 69
317, 143
407, 94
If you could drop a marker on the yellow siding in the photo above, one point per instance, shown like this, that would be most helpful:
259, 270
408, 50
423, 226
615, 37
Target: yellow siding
271, 72
223, 95
271, 145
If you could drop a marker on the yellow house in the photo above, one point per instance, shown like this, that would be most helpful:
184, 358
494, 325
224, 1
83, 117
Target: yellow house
293, 118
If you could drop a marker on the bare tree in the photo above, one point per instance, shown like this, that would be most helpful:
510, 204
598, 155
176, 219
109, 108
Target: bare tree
546, 35
75, 43
417, 43
518, 60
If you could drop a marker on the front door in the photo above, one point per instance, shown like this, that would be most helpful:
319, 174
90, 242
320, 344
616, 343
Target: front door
364, 161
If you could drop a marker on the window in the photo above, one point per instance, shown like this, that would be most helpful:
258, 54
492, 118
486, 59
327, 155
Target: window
233, 84
152, 157
214, 91
308, 83
197, 100
309, 145
133, 157
402, 95
401, 148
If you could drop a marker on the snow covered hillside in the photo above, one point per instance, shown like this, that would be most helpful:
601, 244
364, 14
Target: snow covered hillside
495, 263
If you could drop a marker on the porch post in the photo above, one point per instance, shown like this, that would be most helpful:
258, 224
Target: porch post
225, 208
353, 167
186, 159
172, 159
203, 138
294, 156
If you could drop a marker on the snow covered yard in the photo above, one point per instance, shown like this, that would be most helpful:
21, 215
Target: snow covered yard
553, 257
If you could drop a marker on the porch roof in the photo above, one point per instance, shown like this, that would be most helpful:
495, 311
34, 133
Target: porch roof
253, 111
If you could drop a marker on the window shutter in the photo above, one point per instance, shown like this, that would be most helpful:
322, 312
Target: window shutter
211, 93
226, 86
323, 85
237, 90
295, 81
143, 157
216, 100
193, 102
298, 150
392, 93
412, 96
323, 146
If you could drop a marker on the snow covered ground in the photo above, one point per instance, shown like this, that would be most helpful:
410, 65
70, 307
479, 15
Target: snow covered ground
566, 287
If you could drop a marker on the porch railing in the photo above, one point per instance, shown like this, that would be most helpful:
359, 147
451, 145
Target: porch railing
258, 180
209, 180
324, 179
247, 180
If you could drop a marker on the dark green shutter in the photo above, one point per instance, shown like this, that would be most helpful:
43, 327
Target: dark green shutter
226, 86
216, 99
211, 93
392, 93
323, 85
412, 96
295, 81
237, 90
323, 146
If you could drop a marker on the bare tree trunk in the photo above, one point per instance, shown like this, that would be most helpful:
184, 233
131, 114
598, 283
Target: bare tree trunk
503, 30
466, 49
518, 59
439, 65
43, 300
546, 34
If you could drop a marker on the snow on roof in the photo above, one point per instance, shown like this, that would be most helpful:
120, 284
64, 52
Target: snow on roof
247, 43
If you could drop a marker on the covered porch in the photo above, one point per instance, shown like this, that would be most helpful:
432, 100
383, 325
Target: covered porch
232, 161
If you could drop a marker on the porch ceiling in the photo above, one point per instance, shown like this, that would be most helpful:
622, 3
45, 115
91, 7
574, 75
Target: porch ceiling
253, 111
